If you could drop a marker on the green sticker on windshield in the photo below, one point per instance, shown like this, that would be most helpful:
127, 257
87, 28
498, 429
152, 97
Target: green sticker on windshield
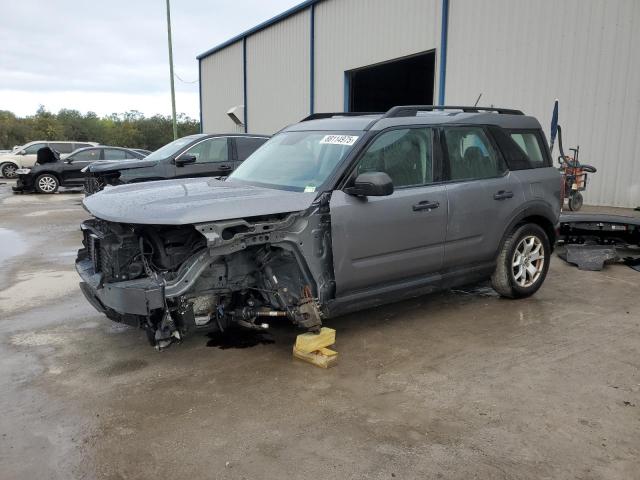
310, 188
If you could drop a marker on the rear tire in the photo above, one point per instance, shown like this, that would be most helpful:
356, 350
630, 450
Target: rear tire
47, 183
523, 262
8, 170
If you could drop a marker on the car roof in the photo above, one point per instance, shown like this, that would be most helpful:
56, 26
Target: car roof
93, 147
203, 135
417, 115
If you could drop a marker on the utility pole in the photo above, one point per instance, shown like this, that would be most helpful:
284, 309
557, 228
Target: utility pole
173, 90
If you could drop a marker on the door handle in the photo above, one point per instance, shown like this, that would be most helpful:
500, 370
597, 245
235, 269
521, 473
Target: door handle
503, 195
425, 205
224, 167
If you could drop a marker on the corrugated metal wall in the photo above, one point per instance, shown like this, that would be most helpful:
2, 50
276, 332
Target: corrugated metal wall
524, 54
517, 53
355, 33
221, 88
278, 65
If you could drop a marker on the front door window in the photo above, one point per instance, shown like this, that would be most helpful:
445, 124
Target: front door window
210, 151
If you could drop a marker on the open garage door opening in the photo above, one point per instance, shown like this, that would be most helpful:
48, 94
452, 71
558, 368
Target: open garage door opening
406, 81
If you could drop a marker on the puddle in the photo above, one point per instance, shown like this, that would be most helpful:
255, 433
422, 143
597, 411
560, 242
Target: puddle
11, 244
32, 339
239, 338
37, 288
45, 213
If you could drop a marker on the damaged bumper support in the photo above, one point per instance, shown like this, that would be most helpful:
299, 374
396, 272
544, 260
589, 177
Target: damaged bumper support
139, 297
24, 183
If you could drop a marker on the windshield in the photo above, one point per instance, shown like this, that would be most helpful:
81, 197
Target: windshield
171, 148
299, 161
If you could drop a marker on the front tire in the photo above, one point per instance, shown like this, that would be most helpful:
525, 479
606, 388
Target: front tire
8, 170
523, 262
47, 183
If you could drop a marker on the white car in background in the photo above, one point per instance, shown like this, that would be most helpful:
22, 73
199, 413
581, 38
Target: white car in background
25, 156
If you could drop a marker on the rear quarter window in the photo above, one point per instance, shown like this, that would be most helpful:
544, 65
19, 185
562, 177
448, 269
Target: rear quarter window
530, 144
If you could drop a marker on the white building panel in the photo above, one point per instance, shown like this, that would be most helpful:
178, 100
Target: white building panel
221, 88
278, 66
356, 33
524, 54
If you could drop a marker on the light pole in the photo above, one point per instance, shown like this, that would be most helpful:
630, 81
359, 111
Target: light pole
173, 91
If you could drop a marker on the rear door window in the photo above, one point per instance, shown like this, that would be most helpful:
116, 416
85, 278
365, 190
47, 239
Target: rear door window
114, 154
82, 145
62, 147
471, 154
89, 155
529, 143
246, 146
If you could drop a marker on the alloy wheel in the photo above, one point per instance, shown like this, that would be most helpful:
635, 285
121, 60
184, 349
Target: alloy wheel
47, 184
9, 171
528, 261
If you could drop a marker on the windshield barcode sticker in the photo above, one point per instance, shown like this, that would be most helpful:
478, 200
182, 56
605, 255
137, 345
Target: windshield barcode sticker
339, 139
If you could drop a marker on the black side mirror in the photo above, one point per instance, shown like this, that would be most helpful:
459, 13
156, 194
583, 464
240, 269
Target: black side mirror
371, 184
185, 159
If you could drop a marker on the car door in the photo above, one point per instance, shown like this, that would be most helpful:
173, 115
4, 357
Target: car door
29, 154
385, 240
483, 196
213, 158
245, 146
72, 167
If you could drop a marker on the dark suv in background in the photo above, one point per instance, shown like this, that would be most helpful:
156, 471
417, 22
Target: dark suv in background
199, 155
333, 214
51, 171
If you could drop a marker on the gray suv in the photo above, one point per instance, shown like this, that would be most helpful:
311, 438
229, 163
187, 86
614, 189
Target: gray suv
336, 213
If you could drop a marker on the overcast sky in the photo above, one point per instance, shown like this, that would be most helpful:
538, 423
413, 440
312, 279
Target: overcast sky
111, 56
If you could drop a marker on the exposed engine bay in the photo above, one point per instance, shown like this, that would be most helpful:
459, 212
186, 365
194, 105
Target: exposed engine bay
174, 280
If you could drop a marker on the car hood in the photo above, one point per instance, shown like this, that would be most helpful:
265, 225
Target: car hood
118, 165
191, 201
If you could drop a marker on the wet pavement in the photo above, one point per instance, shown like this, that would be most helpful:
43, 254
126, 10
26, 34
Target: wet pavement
461, 384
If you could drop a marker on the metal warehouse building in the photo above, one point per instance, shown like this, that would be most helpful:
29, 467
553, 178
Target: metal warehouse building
367, 55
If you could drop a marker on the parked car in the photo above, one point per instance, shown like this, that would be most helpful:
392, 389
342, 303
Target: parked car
333, 214
25, 156
199, 155
51, 172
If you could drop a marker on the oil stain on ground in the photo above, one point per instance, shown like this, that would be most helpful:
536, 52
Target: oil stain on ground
239, 338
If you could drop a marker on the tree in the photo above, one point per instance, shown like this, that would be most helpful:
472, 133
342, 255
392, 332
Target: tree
129, 129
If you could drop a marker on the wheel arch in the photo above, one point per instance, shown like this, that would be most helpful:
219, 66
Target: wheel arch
538, 214
8, 162
49, 172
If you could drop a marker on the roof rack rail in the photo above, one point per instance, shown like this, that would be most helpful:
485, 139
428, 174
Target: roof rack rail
318, 116
412, 110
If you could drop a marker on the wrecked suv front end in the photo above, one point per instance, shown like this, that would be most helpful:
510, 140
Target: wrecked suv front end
201, 254
172, 280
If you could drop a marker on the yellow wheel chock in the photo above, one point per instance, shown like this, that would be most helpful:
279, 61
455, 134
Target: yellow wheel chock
312, 348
